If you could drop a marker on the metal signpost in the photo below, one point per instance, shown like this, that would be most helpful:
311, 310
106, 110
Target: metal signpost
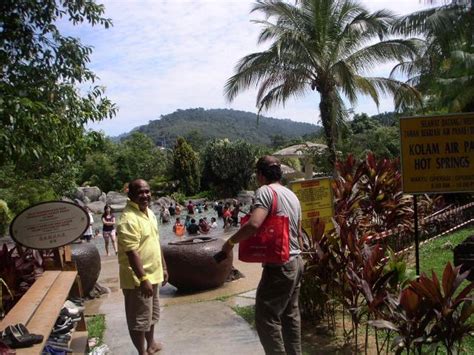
437, 156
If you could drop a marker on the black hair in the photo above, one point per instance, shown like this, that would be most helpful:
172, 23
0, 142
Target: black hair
105, 208
270, 168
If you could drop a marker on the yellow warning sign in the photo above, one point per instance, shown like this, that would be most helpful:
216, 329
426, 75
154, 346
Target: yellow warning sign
437, 153
315, 196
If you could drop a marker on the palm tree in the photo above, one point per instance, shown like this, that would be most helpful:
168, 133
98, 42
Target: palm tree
323, 45
444, 72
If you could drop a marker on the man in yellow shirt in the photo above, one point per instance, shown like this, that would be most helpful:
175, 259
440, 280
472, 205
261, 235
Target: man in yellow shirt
141, 267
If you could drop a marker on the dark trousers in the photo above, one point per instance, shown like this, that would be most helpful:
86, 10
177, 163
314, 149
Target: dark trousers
277, 314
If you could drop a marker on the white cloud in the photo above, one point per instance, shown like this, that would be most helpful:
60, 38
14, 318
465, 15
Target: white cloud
161, 56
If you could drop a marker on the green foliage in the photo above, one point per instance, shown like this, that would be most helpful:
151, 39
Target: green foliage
228, 166
402, 275
5, 218
196, 139
377, 134
138, 157
42, 111
247, 313
186, 167
198, 126
99, 170
96, 326
444, 71
27, 193
362, 123
179, 197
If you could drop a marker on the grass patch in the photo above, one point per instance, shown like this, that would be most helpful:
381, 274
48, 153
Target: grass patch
96, 327
315, 339
247, 313
222, 298
434, 256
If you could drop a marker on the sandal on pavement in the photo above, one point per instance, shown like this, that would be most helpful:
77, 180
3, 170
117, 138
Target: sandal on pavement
16, 339
24, 331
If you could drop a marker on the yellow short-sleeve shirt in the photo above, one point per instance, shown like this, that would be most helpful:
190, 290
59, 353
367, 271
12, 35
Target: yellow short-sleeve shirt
138, 231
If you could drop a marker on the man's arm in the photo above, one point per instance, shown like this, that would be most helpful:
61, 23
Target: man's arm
247, 230
137, 266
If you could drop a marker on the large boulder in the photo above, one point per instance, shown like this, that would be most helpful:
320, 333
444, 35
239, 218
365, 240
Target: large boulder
88, 194
116, 200
87, 259
103, 198
96, 207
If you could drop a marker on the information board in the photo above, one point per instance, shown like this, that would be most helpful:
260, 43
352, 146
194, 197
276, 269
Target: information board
49, 225
315, 196
437, 153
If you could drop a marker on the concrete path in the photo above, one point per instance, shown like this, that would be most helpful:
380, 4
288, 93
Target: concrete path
200, 323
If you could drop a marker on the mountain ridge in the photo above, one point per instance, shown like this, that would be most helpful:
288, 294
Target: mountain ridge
208, 124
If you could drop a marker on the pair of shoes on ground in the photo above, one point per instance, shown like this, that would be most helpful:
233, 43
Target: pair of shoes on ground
71, 313
17, 336
73, 307
64, 324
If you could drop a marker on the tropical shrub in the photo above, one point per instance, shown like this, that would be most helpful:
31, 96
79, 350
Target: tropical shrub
431, 313
27, 193
186, 166
228, 166
368, 199
5, 217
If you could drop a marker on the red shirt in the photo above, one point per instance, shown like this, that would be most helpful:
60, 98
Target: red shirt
190, 208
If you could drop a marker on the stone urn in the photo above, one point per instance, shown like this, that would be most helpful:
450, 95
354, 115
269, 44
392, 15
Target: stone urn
87, 258
464, 255
191, 264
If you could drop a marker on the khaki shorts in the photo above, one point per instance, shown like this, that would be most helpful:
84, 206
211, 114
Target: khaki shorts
141, 312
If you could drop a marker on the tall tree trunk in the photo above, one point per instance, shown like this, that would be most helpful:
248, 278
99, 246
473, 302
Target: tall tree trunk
326, 112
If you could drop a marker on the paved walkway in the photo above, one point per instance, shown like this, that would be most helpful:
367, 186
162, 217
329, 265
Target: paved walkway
200, 323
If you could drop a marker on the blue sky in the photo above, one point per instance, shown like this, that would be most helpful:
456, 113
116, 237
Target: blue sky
161, 56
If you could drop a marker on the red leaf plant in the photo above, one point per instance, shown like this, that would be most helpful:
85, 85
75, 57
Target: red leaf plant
430, 313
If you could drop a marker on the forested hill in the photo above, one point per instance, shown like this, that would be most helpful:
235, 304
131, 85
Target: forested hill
204, 124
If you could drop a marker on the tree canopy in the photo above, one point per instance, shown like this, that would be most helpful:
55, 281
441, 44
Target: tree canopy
47, 92
444, 71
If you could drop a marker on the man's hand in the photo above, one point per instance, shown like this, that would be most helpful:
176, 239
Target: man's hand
146, 288
227, 247
165, 277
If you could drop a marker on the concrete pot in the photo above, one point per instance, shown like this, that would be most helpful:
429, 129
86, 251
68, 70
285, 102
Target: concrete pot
87, 258
191, 264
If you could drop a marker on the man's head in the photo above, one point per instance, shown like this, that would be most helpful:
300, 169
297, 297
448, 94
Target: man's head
268, 170
139, 192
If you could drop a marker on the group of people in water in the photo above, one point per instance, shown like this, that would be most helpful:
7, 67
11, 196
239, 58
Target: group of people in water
229, 213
